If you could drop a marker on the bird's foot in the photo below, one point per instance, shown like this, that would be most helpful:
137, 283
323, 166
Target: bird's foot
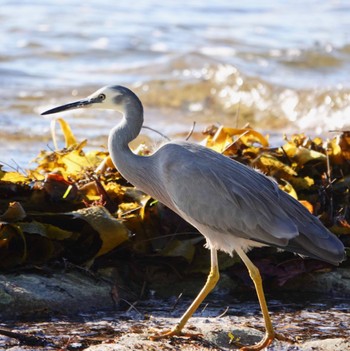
265, 342
174, 332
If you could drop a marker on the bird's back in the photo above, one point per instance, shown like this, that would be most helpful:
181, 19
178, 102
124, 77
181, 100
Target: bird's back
222, 197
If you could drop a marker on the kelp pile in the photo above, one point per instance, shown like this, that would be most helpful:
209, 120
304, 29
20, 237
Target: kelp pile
75, 206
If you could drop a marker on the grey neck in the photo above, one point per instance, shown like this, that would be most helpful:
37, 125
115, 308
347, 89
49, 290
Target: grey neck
127, 163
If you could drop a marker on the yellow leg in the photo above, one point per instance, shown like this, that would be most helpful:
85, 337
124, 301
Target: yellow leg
212, 279
256, 277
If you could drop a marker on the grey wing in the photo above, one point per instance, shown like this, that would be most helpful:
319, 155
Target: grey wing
228, 197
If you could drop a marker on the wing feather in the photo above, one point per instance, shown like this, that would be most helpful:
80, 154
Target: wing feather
227, 197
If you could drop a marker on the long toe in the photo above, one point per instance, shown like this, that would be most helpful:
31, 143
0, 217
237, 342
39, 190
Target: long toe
173, 332
265, 342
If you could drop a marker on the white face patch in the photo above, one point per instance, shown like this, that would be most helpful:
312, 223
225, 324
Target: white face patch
97, 93
112, 98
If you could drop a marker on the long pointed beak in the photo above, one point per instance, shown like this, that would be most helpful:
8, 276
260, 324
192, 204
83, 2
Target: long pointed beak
71, 106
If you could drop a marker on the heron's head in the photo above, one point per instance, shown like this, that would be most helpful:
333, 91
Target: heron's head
110, 97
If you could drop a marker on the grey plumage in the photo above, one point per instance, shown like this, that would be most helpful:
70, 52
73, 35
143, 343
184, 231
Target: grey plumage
211, 191
232, 205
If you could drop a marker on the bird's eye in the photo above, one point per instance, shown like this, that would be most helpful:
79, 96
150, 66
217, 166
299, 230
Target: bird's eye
101, 97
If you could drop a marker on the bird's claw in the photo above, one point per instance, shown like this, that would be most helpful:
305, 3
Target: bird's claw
265, 342
174, 332
259, 346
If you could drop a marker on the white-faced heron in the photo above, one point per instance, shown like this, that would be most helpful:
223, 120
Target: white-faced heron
233, 206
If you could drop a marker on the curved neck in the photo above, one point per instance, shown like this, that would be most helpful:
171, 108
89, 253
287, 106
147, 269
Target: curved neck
130, 126
126, 162
140, 171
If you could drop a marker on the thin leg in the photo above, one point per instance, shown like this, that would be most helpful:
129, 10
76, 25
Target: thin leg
256, 277
212, 279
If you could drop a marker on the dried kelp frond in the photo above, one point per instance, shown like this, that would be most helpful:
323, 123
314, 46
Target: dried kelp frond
75, 205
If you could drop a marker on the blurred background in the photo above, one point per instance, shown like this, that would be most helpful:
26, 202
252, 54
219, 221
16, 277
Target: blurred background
282, 66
